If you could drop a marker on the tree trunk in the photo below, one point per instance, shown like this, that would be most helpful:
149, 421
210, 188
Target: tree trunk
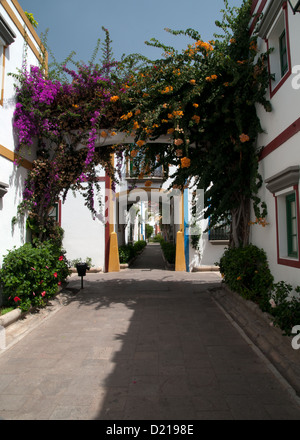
240, 230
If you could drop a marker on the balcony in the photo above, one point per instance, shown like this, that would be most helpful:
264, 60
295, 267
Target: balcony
219, 235
135, 175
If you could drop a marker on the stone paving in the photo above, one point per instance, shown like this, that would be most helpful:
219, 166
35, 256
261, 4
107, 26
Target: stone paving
141, 344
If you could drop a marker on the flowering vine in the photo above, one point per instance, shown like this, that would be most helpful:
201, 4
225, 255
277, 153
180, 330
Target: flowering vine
205, 99
63, 120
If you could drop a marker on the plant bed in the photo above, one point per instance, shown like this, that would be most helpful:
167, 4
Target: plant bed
16, 313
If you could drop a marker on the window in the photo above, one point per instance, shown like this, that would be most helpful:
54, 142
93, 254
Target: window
283, 54
219, 233
285, 188
55, 212
7, 37
291, 223
279, 57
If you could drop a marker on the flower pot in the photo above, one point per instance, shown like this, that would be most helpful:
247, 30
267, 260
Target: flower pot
81, 269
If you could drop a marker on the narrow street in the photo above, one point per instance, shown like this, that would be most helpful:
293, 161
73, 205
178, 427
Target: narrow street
141, 344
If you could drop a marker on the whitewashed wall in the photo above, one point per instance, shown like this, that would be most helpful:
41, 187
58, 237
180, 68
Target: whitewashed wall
10, 174
285, 111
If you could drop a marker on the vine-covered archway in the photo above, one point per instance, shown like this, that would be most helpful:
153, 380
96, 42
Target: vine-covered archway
203, 99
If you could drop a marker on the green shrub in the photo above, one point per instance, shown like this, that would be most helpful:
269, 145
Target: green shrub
129, 251
169, 250
149, 230
139, 245
246, 271
126, 253
157, 238
285, 307
31, 275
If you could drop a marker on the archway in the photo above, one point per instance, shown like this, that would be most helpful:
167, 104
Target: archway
123, 200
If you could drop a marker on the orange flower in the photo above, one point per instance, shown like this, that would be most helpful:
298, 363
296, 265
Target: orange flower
148, 183
178, 113
136, 125
196, 105
103, 134
125, 117
244, 138
185, 162
196, 118
167, 89
170, 130
114, 98
133, 153
137, 112
140, 143
211, 78
178, 142
193, 82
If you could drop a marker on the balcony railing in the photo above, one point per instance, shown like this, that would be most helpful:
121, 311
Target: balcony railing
219, 233
158, 173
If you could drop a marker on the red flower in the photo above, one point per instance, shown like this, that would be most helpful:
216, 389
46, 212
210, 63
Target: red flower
16, 299
55, 274
43, 293
61, 258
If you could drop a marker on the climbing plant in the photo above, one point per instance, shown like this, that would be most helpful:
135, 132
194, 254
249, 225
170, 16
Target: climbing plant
64, 117
204, 99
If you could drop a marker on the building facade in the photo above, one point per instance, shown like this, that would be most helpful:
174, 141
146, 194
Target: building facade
278, 28
14, 27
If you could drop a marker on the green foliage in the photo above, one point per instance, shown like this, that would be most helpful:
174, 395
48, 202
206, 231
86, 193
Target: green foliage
128, 251
87, 261
246, 271
31, 18
157, 238
149, 230
169, 250
4, 310
31, 275
139, 245
285, 307
205, 98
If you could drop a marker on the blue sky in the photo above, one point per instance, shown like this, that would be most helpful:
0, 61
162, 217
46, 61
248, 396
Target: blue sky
77, 24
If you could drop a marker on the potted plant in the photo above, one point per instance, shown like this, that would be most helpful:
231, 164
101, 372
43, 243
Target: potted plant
82, 265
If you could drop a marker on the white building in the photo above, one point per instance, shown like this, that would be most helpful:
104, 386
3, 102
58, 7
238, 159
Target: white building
279, 28
13, 25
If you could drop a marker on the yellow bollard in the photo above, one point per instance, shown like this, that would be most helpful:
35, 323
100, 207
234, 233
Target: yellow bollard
180, 265
114, 261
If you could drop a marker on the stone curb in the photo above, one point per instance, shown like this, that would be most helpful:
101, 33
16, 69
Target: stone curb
258, 326
10, 317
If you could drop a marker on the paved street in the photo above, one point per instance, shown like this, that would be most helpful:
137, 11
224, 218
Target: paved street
141, 344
